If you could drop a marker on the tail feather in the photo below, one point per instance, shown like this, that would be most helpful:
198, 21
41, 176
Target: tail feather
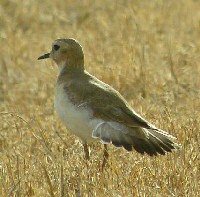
156, 142
146, 146
152, 141
165, 138
161, 140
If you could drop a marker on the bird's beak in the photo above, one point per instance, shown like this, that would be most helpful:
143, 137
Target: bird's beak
47, 55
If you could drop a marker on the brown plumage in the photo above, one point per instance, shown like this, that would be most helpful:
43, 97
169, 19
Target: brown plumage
94, 110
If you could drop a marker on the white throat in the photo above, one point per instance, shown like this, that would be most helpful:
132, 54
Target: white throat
61, 66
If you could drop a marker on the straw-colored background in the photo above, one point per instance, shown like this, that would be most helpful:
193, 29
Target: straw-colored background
148, 50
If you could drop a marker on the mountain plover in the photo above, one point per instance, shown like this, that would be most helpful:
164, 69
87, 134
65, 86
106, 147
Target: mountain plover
93, 110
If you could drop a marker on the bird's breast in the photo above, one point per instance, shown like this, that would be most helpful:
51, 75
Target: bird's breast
76, 117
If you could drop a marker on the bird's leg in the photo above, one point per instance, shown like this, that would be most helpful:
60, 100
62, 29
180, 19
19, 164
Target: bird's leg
87, 156
105, 156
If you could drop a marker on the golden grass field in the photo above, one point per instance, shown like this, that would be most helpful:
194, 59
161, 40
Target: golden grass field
148, 50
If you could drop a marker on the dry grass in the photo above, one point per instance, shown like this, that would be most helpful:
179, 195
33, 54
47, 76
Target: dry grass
149, 50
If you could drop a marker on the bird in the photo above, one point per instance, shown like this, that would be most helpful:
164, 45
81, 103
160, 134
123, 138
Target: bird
95, 111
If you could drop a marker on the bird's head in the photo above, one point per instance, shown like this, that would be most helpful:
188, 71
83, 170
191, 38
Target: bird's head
66, 52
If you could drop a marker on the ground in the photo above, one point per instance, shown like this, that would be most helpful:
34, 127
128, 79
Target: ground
148, 50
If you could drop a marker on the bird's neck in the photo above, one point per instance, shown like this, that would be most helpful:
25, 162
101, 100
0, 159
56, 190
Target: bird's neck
69, 72
68, 68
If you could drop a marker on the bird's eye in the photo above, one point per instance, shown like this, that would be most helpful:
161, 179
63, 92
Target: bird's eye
56, 47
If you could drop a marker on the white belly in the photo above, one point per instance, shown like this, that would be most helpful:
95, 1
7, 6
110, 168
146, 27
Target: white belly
77, 119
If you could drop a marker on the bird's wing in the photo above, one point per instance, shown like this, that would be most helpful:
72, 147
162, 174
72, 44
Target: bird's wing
118, 111
109, 105
124, 127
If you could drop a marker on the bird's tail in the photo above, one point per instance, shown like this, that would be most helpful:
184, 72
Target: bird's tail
156, 142
152, 141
